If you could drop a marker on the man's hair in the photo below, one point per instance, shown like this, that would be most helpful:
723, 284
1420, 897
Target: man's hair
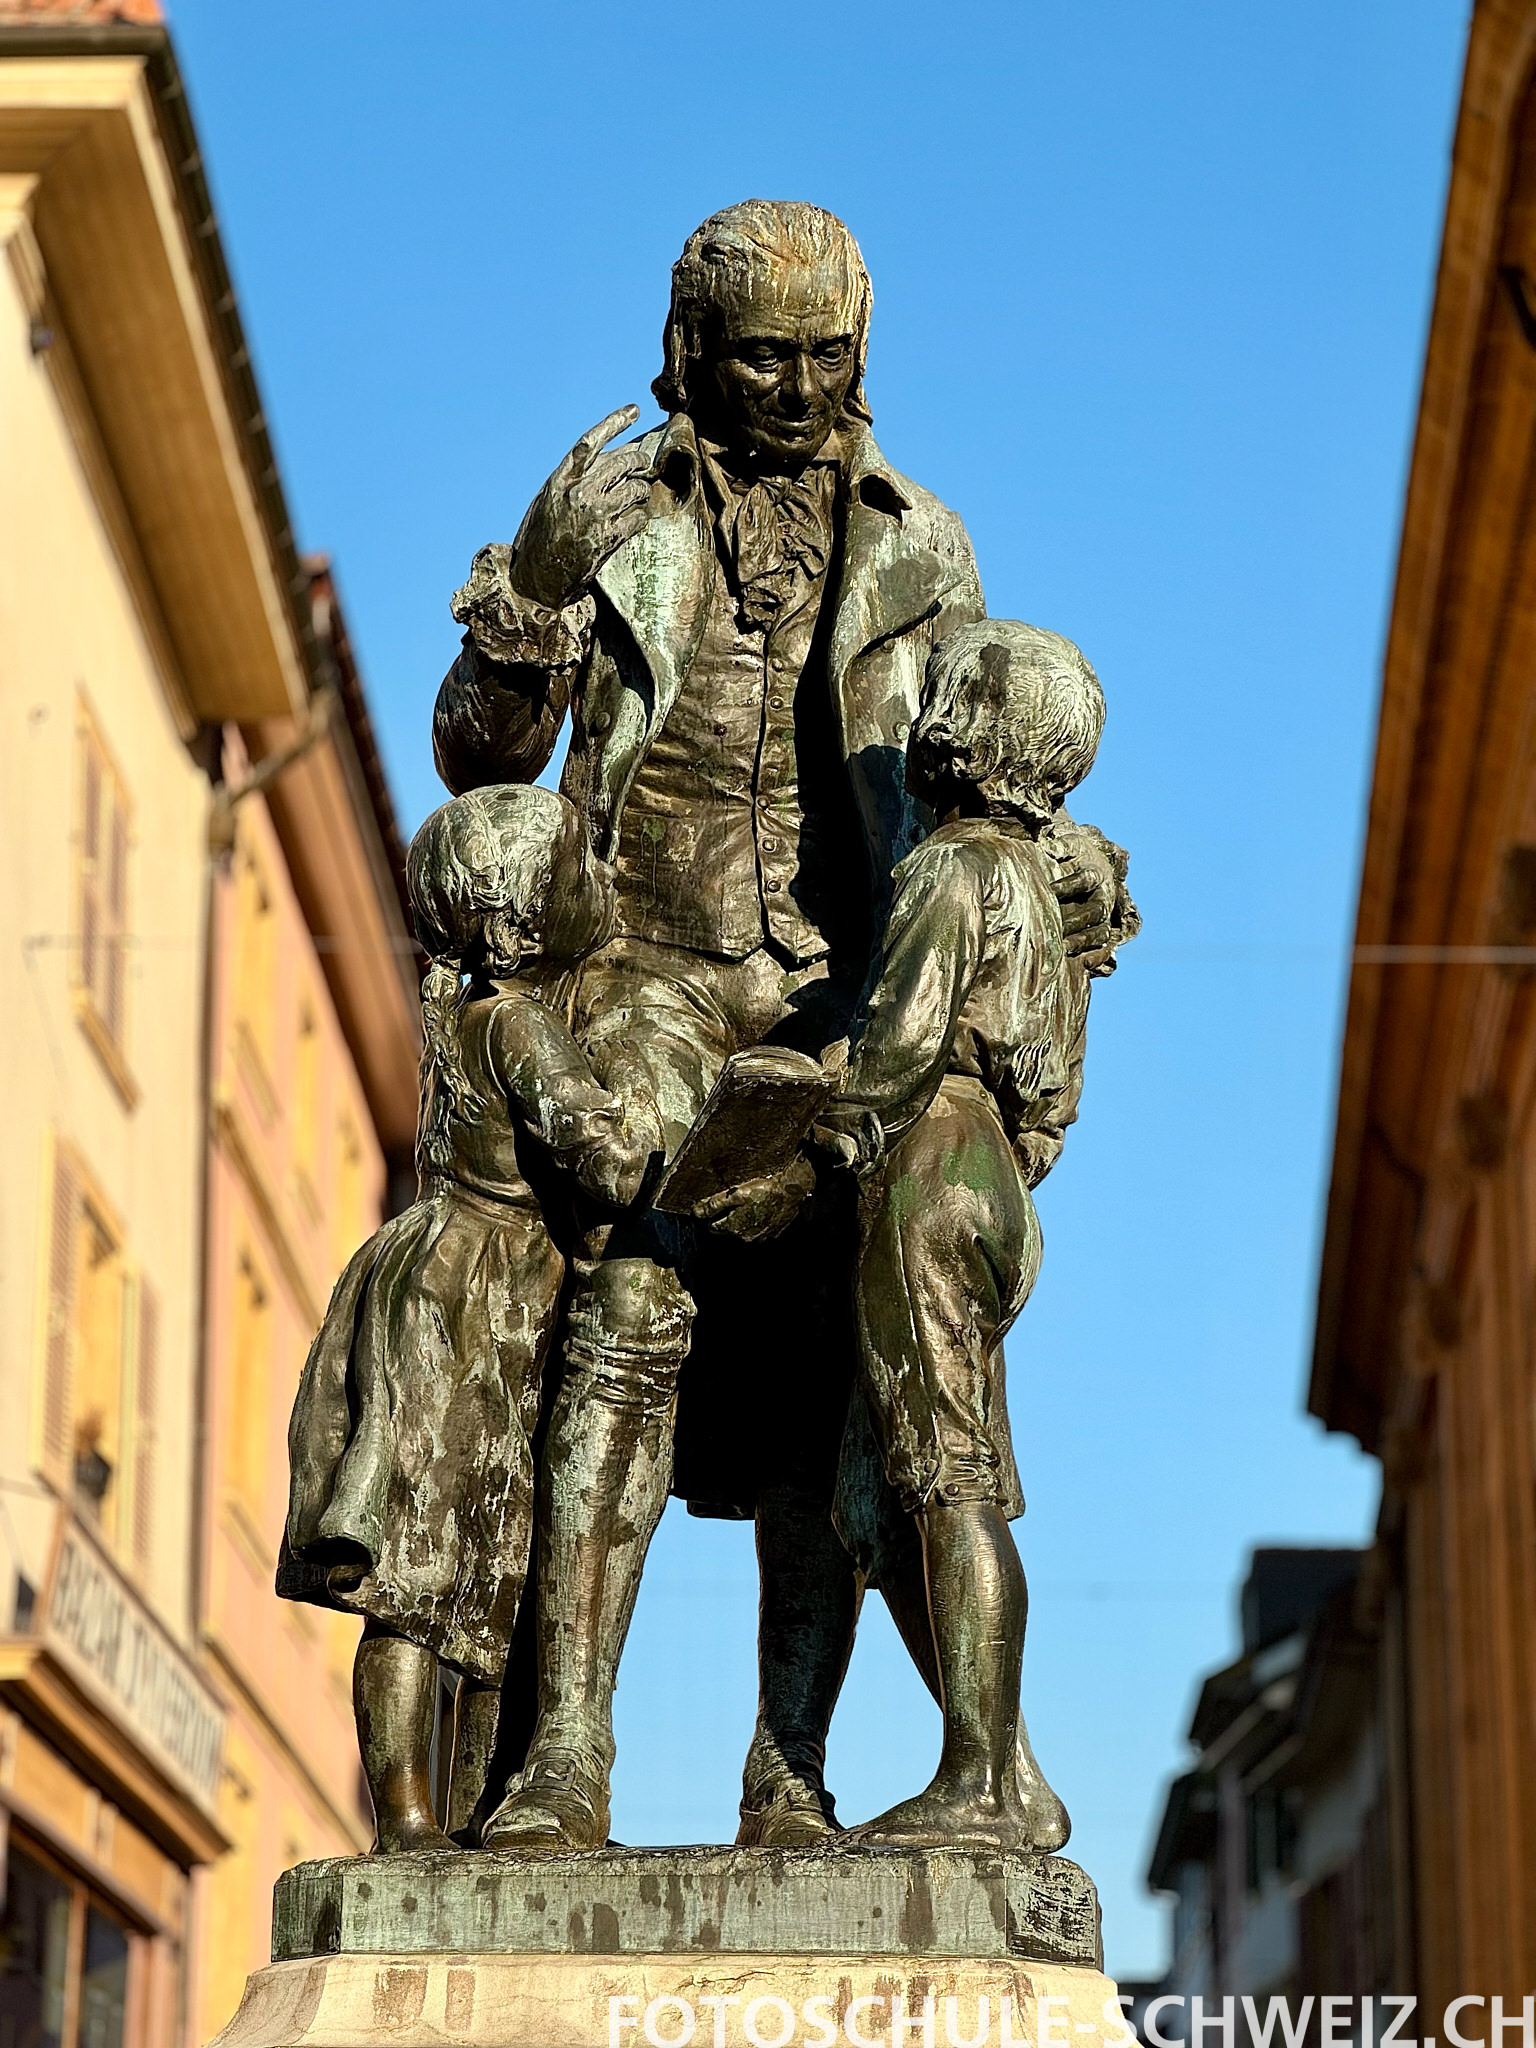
741, 253
1011, 710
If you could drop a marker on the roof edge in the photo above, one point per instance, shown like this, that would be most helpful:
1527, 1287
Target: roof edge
184, 163
1496, 76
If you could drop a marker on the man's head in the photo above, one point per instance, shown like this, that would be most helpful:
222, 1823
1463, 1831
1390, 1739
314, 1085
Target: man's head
1010, 721
765, 338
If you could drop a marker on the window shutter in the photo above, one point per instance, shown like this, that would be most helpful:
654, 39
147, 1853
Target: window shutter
58, 1362
90, 867
116, 895
145, 1402
90, 969
91, 802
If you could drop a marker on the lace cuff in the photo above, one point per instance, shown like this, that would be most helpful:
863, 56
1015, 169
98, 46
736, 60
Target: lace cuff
513, 629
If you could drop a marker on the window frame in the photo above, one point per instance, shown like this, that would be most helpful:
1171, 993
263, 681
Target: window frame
255, 948
101, 835
83, 1895
73, 1204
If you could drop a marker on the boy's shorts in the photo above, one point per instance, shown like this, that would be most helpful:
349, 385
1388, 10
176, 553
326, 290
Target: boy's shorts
950, 1248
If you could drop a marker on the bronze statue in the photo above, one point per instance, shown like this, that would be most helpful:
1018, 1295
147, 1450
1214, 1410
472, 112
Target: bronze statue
966, 1070
411, 1498
738, 610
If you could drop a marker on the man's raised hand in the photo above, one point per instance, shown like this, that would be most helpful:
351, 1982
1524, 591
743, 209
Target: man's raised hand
590, 506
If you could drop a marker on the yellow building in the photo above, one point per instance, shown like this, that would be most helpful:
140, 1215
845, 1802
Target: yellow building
312, 1117
209, 1050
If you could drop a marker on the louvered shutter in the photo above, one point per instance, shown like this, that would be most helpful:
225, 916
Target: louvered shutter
116, 921
58, 1361
145, 1404
90, 874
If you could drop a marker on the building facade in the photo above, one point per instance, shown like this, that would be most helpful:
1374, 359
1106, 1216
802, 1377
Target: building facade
1275, 1848
1423, 1880
311, 1121
209, 1048
1424, 1336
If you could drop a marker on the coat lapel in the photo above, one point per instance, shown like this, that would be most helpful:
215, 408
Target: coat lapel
889, 582
657, 583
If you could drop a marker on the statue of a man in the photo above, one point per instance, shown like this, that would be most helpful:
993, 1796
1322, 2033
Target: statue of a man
736, 610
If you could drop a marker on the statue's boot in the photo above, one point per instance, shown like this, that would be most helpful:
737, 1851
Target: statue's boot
607, 1469
809, 1607
559, 1802
475, 1715
788, 1810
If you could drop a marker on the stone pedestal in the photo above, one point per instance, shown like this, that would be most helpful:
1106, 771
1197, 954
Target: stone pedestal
683, 1948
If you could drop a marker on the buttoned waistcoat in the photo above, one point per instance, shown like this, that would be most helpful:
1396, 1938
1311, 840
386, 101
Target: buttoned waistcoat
616, 657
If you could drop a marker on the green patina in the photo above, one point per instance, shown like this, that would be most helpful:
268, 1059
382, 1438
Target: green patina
972, 1166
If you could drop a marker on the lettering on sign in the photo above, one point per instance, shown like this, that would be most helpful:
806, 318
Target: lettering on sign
101, 1628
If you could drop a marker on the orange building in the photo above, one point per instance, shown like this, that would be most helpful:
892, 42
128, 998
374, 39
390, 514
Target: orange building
209, 1045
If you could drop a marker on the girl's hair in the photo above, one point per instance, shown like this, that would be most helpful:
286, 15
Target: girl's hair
485, 858
1012, 710
755, 248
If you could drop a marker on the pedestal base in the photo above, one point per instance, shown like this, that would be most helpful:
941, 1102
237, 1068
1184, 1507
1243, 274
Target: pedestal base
662, 2001
853, 1901
683, 1948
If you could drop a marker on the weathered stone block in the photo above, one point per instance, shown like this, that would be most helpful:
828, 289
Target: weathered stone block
855, 1901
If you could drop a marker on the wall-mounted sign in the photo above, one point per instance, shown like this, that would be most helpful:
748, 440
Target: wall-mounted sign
109, 1642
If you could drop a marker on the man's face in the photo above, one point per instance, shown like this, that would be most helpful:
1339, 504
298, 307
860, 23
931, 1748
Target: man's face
779, 374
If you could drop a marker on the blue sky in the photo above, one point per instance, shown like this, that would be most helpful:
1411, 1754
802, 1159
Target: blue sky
1151, 285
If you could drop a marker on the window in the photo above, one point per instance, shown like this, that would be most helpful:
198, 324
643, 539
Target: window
97, 1449
103, 1980
256, 969
306, 1107
65, 1960
101, 902
146, 1389
347, 1225
100, 1366
1271, 1836
250, 1391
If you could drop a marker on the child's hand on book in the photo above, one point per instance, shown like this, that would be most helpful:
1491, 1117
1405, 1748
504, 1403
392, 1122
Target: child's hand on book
757, 1209
850, 1134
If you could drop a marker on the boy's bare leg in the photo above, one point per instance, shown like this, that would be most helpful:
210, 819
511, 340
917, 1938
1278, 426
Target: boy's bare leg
394, 1695
905, 1587
979, 1604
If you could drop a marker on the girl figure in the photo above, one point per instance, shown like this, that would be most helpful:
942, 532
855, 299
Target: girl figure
412, 1483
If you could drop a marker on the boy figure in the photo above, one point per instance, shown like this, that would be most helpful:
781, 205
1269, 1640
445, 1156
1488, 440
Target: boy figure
959, 1090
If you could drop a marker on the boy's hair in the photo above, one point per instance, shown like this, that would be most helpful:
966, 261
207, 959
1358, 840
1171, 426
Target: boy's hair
489, 853
1010, 710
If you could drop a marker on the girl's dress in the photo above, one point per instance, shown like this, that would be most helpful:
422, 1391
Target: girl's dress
412, 1484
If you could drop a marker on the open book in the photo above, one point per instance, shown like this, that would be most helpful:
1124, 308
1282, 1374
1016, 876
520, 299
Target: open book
758, 1112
